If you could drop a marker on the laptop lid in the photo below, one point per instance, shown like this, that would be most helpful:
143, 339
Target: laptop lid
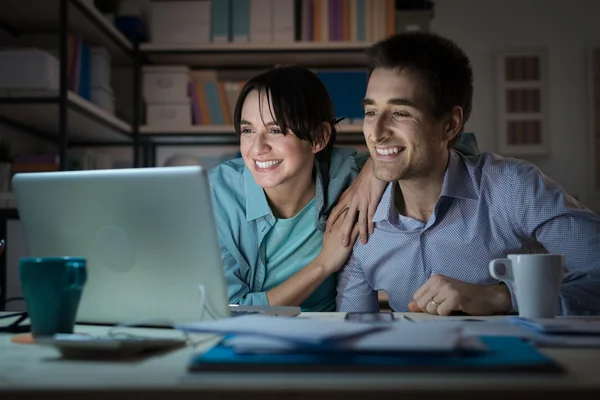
148, 234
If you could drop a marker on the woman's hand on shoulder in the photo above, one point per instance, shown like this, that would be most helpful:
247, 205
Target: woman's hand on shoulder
333, 254
362, 198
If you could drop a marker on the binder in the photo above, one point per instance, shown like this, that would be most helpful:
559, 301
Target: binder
504, 354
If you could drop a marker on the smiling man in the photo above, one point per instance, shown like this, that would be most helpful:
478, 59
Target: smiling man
444, 216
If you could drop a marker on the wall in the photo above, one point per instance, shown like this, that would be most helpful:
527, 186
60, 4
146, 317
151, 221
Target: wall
569, 30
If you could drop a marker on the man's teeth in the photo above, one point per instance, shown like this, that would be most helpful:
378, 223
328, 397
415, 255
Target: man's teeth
386, 152
267, 164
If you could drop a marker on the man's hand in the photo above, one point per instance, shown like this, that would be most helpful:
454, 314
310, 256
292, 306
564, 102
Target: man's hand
333, 254
443, 295
361, 197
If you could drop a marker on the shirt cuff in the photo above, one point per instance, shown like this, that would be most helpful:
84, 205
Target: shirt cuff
513, 297
254, 299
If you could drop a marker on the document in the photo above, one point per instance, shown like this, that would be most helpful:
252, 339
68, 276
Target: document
397, 338
295, 329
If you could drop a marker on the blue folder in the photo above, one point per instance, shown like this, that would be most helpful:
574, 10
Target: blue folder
503, 354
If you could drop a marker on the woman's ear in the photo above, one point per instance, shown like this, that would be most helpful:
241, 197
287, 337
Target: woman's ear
326, 135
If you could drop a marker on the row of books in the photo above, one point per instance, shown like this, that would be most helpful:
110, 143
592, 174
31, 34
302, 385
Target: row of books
213, 101
261, 21
79, 67
301, 20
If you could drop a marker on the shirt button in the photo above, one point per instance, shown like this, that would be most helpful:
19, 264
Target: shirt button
426, 232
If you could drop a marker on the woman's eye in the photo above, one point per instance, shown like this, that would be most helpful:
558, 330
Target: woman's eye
276, 131
246, 131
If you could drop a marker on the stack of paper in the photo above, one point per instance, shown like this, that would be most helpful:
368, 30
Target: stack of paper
396, 338
299, 330
264, 334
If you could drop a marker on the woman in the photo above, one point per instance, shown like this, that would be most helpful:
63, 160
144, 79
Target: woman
272, 204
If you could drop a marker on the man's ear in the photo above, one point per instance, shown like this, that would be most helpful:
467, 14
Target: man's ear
320, 145
454, 123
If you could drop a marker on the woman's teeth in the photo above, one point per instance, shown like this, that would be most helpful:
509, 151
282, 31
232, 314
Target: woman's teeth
267, 164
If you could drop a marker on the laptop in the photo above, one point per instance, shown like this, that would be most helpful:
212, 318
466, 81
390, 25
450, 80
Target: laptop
148, 234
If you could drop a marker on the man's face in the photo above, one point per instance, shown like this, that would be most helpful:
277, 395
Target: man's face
405, 141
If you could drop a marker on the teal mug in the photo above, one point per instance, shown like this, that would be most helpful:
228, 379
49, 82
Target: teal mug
52, 288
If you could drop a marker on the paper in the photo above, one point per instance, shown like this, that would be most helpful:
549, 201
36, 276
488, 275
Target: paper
572, 326
504, 328
301, 330
398, 338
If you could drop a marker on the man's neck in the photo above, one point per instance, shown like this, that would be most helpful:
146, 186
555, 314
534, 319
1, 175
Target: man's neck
287, 200
416, 198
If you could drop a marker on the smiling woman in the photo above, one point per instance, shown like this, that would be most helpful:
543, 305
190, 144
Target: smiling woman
272, 205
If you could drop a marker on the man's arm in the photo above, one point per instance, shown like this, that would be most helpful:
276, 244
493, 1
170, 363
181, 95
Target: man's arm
543, 212
354, 292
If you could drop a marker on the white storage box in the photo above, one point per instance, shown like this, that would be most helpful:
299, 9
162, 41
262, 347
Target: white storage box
180, 22
171, 114
100, 67
29, 69
103, 98
166, 84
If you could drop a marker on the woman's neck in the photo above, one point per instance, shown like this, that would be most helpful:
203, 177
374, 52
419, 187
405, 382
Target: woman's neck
288, 199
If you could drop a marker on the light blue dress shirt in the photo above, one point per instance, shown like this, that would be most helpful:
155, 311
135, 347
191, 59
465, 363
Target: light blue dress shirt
489, 207
244, 218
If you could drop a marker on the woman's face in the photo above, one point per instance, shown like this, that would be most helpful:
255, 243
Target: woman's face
273, 158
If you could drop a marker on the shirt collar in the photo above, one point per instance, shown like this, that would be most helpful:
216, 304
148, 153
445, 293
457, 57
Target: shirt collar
457, 183
386, 211
256, 200
257, 205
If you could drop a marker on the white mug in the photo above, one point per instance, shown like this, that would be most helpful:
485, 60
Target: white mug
536, 279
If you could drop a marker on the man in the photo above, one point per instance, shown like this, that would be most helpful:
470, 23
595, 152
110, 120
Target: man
444, 216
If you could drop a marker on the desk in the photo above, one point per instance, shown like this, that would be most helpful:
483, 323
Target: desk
30, 371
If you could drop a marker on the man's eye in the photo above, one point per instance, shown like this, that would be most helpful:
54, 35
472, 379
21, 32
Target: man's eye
369, 113
401, 114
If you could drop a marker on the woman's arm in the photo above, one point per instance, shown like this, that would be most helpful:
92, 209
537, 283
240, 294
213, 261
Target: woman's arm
304, 282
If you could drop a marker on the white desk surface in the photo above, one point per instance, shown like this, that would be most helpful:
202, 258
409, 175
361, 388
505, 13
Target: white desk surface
30, 371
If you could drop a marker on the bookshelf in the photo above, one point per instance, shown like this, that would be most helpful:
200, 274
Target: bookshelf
88, 123
232, 55
225, 134
72, 121
87, 21
63, 117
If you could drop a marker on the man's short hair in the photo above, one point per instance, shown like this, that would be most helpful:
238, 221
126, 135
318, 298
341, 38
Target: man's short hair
444, 69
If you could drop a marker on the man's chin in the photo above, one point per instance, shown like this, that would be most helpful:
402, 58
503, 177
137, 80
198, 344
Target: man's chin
386, 175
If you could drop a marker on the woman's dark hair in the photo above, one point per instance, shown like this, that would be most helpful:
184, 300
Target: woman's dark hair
444, 69
301, 104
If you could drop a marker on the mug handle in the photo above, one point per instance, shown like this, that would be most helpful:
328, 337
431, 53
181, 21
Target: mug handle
508, 273
76, 274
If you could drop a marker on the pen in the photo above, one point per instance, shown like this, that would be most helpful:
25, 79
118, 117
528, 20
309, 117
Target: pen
409, 319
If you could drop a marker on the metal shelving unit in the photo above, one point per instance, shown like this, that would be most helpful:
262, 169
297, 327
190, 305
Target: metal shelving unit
65, 118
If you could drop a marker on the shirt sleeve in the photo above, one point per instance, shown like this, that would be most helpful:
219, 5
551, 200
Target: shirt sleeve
237, 289
544, 213
354, 293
